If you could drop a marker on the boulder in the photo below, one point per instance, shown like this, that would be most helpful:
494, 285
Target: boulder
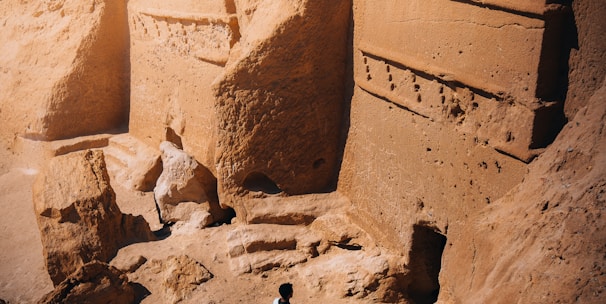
180, 276
77, 214
132, 163
185, 186
85, 86
357, 274
94, 283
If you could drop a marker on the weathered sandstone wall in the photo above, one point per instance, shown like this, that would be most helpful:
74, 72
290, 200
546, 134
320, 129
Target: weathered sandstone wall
280, 101
449, 99
437, 122
64, 68
587, 56
177, 49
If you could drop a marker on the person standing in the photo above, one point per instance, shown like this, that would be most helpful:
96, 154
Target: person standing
286, 293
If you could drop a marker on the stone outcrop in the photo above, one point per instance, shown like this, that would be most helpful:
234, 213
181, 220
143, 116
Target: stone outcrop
357, 275
94, 283
516, 105
177, 49
587, 56
81, 89
185, 187
395, 151
131, 163
544, 241
277, 77
77, 214
180, 276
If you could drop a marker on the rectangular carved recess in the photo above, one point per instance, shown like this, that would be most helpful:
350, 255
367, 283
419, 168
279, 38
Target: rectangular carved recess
207, 37
513, 122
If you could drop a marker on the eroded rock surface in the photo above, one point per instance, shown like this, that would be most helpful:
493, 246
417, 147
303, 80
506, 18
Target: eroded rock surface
184, 188
93, 283
77, 214
180, 276
132, 163
80, 90
256, 248
544, 241
278, 77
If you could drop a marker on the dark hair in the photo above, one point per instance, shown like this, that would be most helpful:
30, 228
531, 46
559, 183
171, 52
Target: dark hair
285, 290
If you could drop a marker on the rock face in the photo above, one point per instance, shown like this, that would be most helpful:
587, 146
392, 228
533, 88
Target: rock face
93, 283
184, 187
77, 214
544, 241
470, 122
403, 150
131, 163
177, 49
277, 77
85, 86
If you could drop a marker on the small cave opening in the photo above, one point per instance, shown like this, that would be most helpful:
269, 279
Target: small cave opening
256, 181
425, 264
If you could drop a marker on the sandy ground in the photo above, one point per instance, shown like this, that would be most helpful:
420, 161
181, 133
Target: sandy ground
23, 278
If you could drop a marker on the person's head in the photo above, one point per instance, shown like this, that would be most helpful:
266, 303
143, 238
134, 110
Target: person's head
286, 291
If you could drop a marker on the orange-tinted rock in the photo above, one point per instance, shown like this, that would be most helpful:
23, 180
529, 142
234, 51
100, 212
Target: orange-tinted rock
131, 163
544, 241
66, 69
184, 184
177, 49
280, 100
77, 214
180, 276
94, 283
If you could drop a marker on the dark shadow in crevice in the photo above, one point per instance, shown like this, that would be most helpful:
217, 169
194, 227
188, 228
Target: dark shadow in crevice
425, 263
257, 181
163, 232
559, 38
172, 136
349, 85
141, 292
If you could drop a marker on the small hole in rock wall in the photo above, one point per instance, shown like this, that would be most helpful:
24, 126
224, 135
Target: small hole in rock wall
256, 181
417, 87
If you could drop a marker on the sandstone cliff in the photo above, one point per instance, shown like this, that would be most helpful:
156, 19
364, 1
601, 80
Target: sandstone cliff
417, 151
